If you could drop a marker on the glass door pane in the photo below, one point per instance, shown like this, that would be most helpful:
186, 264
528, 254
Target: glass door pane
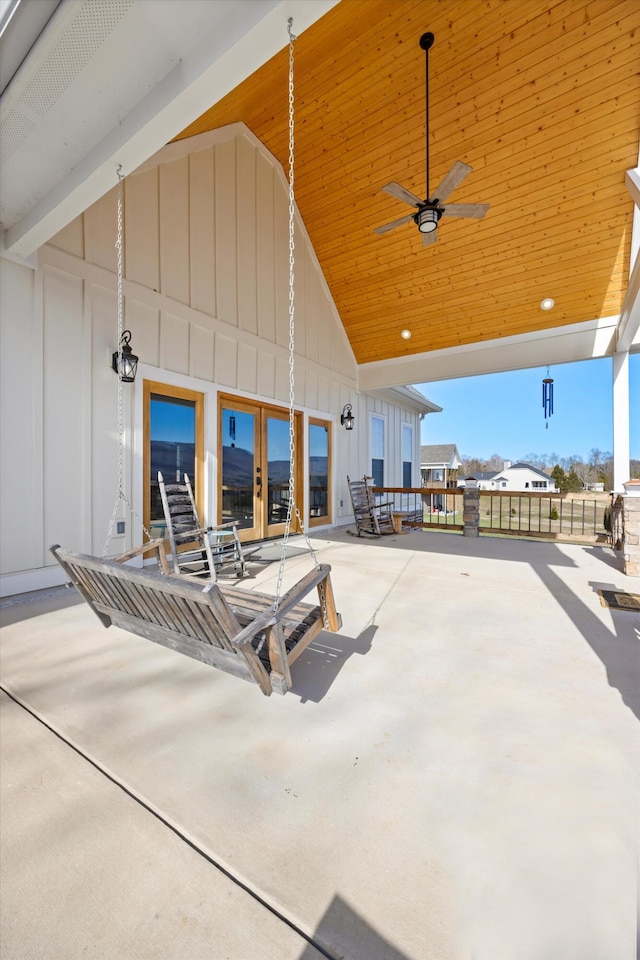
319, 472
240, 473
277, 470
172, 450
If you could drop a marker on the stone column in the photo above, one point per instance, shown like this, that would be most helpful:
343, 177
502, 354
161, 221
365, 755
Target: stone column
471, 510
631, 513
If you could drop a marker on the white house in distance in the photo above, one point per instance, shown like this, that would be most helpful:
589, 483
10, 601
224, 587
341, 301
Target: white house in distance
439, 463
516, 478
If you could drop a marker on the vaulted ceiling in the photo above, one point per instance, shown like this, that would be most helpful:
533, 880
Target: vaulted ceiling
541, 98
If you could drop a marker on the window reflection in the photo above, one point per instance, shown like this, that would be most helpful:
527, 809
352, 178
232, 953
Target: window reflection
318, 470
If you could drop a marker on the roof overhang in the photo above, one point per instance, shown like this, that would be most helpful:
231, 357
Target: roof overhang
409, 397
581, 341
106, 85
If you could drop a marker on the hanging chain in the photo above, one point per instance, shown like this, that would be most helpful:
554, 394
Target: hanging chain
120, 298
292, 506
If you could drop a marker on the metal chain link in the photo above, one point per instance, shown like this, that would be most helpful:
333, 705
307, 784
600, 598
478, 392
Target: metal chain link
292, 506
120, 495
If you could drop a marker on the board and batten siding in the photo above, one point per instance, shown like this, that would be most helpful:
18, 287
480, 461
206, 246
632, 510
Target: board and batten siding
206, 293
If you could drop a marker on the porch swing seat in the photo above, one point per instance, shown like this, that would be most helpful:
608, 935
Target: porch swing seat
234, 630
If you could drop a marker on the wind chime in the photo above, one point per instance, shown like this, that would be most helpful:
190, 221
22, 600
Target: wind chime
547, 397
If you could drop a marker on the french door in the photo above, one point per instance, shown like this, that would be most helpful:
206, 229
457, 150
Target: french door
253, 467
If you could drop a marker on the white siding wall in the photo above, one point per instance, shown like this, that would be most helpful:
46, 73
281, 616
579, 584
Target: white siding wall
206, 299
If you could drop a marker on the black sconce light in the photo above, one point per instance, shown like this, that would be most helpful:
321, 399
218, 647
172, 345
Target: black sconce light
124, 361
347, 418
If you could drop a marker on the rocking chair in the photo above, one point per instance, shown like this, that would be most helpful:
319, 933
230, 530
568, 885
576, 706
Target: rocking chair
372, 517
198, 551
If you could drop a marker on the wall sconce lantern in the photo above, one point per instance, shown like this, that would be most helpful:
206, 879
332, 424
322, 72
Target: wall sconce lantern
124, 361
347, 418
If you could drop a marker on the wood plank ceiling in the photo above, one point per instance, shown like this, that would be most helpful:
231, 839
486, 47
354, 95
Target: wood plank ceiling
541, 98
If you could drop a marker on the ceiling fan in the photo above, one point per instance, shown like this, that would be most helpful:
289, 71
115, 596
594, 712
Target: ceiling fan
430, 210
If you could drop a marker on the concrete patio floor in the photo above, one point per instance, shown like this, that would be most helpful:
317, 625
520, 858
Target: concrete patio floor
453, 777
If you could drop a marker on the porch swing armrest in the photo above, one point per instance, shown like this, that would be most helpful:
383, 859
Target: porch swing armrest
158, 546
316, 578
259, 625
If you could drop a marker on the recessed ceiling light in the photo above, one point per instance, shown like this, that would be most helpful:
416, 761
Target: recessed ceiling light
406, 334
547, 304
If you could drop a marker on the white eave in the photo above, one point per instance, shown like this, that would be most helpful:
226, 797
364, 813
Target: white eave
105, 85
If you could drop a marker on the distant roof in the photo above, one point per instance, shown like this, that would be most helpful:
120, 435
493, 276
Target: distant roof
409, 397
527, 466
496, 475
438, 453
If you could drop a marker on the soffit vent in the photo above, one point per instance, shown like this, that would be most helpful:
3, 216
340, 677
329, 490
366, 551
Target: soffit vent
14, 130
86, 34
80, 42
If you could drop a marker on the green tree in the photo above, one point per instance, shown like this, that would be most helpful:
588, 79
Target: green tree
560, 478
574, 483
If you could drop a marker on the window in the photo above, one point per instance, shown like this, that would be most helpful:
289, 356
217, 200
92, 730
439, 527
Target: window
319, 472
377, 451
173, 444
407, 455
539, 484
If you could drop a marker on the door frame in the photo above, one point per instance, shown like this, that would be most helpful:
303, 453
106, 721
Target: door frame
197, 397
262, 411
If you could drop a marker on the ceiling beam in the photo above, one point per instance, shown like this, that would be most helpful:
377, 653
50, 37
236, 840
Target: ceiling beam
576, 341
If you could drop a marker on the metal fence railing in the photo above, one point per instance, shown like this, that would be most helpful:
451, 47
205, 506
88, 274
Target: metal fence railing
556, 516
537, 515
425, 506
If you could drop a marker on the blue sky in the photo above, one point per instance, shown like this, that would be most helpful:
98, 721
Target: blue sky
502, 412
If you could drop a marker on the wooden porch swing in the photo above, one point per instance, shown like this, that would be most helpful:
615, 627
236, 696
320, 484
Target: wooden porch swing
251, 635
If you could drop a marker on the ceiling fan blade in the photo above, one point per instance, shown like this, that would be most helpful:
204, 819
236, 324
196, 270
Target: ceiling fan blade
394, 224
401, 194
429, 238
475, 210
453, 179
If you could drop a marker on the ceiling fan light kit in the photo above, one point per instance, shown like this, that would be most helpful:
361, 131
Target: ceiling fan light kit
430, 211
427, 219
